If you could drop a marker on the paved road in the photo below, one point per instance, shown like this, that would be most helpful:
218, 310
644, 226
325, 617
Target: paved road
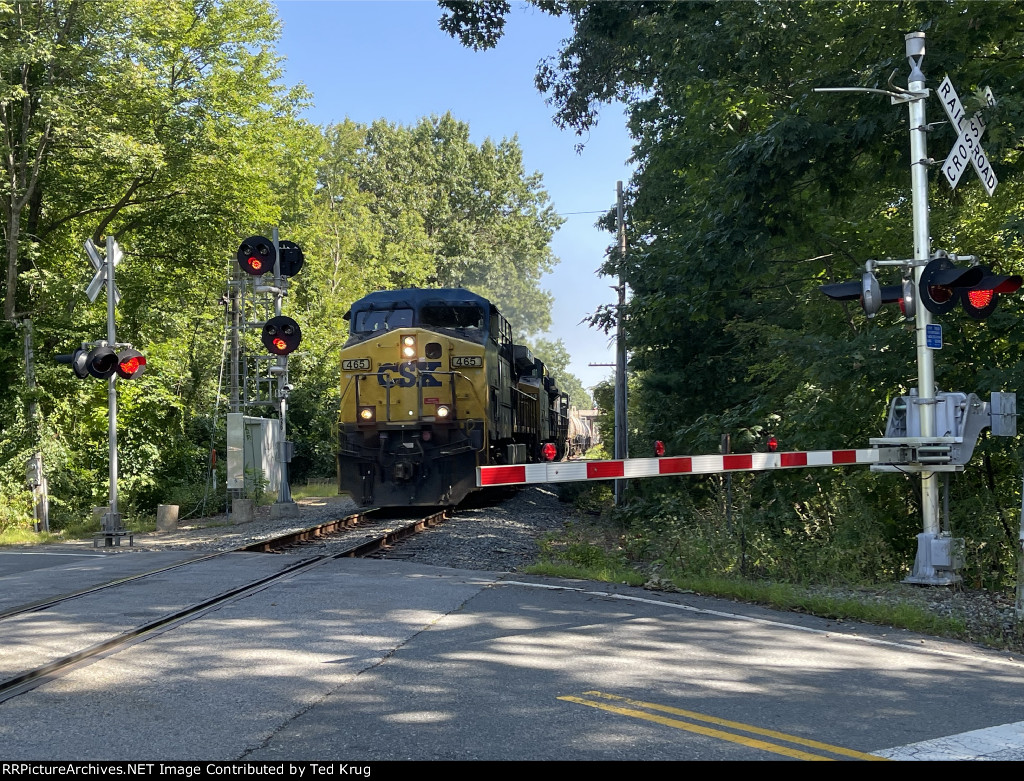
31, 574
376, 660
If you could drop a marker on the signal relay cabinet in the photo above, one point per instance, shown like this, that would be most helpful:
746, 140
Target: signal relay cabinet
959, 420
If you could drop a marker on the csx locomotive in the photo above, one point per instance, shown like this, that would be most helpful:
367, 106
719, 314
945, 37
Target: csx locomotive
432, 386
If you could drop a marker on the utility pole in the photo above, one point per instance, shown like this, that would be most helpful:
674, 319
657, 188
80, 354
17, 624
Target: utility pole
621, 427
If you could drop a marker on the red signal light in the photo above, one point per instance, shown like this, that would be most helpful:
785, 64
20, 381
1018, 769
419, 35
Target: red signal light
257, 255
281, 335
980, 298
773, 444
659, 448
549, 451
130, 364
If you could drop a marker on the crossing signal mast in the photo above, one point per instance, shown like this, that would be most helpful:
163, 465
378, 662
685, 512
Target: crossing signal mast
107, 360
268, 264
934, 283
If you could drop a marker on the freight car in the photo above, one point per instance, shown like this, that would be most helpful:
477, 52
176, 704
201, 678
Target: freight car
433, 386
580, 437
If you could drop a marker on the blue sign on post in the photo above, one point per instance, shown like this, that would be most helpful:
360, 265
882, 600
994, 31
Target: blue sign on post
933, 336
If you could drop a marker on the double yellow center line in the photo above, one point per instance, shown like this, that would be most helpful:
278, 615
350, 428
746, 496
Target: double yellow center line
630, 707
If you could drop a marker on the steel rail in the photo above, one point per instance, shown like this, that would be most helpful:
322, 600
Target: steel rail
32, 679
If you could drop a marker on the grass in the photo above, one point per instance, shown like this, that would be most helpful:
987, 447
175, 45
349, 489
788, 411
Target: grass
315, 488
781, 596
594, 550
22, 536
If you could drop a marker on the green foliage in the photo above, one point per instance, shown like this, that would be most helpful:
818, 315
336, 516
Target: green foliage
556, 358
167, 126
751, 191
573, 555
483, 222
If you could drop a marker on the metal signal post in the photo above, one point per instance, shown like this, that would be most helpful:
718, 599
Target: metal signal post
285, 506
280, 336
977, 287
113, 529
922, 251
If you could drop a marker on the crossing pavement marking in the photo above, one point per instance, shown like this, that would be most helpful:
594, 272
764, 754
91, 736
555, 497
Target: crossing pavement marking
719, 734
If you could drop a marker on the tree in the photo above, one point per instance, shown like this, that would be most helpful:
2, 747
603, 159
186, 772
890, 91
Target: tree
177, 159
489, 223
752, 190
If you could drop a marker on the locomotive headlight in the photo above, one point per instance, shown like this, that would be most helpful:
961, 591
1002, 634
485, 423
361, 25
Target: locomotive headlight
408, 346
367, 414
443, 411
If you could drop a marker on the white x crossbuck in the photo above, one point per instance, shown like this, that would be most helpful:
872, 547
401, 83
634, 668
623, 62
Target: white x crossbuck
967, 148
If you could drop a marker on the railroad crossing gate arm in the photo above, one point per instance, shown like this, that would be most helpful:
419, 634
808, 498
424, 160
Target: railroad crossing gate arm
576, 471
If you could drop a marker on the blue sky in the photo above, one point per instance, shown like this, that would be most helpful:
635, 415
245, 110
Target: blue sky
374, 59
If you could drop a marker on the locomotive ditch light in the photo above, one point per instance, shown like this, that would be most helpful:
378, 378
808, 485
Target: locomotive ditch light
256, 256
443, 411
942, 282
367, 414
981, 300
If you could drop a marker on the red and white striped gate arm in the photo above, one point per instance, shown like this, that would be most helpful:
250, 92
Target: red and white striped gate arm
570, 471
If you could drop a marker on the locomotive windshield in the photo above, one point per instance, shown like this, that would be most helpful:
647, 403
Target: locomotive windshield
457, 312
372, 320
445, 315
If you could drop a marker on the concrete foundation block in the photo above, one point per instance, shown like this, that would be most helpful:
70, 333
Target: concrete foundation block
284, 510
243, 511
167, 517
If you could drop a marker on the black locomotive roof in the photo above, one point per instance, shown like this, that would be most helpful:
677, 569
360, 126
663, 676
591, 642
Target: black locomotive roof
417, 296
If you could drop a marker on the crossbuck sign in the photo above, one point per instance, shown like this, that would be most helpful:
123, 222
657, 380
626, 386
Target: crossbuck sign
967, 148
101, 266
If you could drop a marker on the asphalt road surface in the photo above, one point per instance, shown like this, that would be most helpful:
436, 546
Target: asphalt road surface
362, 660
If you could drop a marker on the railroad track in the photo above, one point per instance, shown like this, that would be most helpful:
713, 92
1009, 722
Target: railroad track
354, 535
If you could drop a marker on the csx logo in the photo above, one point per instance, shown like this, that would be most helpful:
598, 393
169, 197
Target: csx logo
407, 374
